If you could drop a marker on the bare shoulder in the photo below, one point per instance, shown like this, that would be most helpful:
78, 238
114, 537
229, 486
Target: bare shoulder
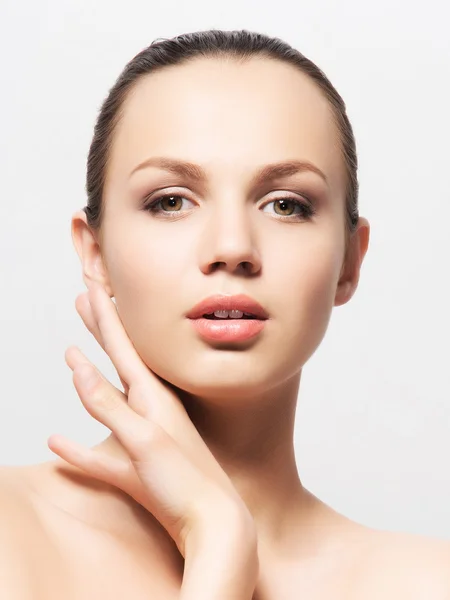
410, 565
16, 511
28, 557
17, 533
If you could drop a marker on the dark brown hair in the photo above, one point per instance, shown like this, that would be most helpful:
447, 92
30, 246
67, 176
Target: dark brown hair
239, 45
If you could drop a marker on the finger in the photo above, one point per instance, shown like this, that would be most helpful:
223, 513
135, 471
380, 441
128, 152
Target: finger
107, 405
73, 357
116, 342
83, 308
101, 466
143, 405
156, 457
170, 478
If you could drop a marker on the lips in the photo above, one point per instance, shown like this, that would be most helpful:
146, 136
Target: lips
240, 302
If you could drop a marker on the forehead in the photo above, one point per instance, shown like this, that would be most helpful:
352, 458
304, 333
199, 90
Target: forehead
220, 112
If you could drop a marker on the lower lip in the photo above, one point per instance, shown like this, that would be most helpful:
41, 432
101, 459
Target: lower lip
228, 330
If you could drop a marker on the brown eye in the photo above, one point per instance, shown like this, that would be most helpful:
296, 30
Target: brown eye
292, 207
166, 205
286, 206
171, 202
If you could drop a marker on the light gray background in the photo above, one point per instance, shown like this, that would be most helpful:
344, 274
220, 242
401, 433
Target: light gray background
372, 436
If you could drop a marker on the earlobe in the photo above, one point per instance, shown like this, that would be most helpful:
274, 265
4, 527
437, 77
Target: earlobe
346, 284
351, 270
344, 292
89, 252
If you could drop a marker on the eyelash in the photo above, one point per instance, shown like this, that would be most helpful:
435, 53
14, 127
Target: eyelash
308, 209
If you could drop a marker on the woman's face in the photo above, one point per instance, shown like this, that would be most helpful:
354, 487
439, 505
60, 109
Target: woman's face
231, 120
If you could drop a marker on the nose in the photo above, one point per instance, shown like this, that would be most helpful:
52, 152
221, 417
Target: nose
229, 243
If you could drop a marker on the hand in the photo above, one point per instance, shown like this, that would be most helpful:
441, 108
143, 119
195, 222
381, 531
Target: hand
170, 470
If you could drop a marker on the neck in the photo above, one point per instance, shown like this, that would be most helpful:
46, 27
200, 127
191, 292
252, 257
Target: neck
253, 441
252, 438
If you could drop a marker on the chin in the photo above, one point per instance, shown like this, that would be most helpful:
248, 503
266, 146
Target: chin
222, 385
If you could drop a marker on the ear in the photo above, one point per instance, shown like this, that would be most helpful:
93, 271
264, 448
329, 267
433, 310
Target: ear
350, 272
87, 245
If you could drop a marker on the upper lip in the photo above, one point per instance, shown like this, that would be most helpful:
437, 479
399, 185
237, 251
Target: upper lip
240, 302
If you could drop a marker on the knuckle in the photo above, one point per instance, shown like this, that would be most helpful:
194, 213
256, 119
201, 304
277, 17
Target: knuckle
106, 399
151, 438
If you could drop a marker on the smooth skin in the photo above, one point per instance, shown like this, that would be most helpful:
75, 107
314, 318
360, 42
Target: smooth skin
92, 533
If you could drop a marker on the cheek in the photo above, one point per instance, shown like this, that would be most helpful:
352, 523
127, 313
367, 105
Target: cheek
316, 284
143, 269
316, 294
307, 277
145, 278
305, 301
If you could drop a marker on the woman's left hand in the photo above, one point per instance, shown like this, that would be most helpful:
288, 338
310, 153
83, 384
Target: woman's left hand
170, 470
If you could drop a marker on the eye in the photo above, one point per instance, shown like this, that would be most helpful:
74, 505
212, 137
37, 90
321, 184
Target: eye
287, 206
170, 203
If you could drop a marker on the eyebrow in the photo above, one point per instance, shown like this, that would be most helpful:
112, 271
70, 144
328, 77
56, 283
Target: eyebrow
196, 173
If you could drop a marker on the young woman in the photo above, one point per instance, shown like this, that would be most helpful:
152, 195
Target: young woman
222, 217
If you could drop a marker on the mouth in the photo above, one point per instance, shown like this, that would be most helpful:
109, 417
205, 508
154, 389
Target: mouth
228, 327
213, 317
230, 308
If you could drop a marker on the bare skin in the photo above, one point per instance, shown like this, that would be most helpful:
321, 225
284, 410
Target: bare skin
72, 547
86, 539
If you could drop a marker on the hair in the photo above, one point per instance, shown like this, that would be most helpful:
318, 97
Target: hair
239, 45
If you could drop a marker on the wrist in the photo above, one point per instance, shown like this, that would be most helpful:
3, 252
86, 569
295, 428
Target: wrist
223, 567
221, 554
226, 527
